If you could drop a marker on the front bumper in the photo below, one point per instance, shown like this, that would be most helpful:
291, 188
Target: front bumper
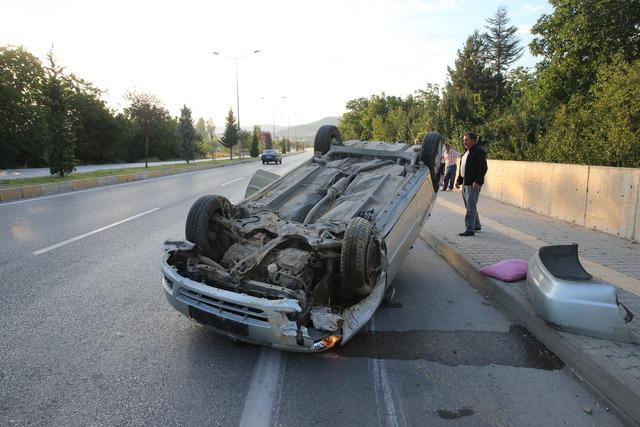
240, 316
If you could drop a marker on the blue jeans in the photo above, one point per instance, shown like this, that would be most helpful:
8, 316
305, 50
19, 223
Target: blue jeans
470, 197
449, 177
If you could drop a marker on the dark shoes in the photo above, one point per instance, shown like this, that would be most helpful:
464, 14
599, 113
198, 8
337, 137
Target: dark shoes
478, 228
467, 233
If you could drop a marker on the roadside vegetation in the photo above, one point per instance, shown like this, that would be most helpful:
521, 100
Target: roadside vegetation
580, 104
50, 117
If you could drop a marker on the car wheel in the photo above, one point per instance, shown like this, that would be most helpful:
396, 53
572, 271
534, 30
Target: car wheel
202, 227
263, 162
326, 135
360, 257
430, 154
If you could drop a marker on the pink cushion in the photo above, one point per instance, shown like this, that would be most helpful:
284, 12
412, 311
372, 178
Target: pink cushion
509, 270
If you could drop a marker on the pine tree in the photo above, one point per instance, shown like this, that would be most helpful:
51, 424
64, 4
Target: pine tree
471, 71
186, 134
254, 151
61, 147
503, 46
231, 135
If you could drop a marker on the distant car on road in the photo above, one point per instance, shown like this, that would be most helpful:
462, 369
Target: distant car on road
269, 156
304, 261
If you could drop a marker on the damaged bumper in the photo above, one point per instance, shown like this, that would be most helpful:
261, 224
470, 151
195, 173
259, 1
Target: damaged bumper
566, 295
243, 317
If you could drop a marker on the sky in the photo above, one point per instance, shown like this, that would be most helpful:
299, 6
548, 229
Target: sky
314, 55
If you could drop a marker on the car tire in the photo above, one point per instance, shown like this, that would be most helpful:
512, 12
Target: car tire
263, 162
325, 136
430, 154
360, 257
200, 225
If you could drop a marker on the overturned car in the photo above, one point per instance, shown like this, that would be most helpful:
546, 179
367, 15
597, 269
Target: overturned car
303, 262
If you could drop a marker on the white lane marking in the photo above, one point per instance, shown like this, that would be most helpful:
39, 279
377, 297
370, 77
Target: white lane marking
263, 389
231, 182
383, 392
82, 236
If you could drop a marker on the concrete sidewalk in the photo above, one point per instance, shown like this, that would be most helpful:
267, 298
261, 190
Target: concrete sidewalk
611, 368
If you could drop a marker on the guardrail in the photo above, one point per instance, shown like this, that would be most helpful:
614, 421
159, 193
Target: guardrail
598, 197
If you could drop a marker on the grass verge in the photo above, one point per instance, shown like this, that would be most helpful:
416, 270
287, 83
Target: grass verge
23, 182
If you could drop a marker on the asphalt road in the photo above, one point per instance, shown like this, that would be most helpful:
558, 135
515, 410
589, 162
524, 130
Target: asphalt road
87, 337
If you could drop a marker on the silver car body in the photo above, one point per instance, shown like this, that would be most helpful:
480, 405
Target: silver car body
566, 295
388, 187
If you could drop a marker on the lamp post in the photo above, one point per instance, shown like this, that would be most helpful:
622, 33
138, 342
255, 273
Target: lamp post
273, 114
238, 91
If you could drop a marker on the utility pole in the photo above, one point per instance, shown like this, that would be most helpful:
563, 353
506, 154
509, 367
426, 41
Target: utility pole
236, 58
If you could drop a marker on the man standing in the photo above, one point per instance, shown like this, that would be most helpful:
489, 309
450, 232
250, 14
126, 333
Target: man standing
473, 168
451, 157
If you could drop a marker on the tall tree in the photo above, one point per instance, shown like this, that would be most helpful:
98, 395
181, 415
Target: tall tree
61, 147
93, 124
202, 140
211, 133
147, 110
502, 44
186, 134
471, 72
255, 138
578, 38
231, 135
22, 109
245, 139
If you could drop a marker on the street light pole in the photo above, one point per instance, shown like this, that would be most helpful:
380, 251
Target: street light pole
236, 58
273, 115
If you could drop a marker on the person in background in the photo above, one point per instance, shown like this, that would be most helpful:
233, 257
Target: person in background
473, 167
441, 167
451, 157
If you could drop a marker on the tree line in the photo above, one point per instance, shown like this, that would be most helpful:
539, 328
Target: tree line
579, 104
50, 117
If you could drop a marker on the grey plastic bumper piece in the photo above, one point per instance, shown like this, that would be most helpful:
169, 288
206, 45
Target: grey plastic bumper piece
566, 295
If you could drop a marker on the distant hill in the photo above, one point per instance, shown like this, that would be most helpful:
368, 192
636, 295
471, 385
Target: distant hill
306, 132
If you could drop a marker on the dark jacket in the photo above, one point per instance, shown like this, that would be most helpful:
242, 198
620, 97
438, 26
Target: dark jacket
475, 168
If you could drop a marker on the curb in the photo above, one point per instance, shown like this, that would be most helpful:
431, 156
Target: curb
606, 379
27, 192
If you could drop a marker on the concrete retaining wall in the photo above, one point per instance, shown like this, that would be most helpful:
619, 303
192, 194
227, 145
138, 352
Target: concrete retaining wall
598, 197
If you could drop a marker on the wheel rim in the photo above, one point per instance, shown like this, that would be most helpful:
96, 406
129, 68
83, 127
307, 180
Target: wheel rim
372, 268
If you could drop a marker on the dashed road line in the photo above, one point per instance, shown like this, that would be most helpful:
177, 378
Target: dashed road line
231, 182
390, 416
263, 393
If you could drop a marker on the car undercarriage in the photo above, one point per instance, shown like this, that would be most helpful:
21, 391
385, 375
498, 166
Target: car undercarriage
303, 263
